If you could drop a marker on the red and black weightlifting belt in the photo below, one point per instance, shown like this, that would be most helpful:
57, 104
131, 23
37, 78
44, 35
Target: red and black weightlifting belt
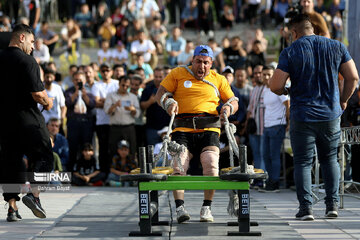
197, 121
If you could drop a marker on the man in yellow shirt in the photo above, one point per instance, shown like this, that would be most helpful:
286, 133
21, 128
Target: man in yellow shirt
197, 91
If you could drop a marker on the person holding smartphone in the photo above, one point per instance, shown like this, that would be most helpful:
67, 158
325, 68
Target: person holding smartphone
80, 121
122, 107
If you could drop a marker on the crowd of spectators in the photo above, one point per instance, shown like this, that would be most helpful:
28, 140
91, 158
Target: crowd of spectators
114, 97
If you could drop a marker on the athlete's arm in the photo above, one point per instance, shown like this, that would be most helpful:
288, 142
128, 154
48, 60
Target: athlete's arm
173, 108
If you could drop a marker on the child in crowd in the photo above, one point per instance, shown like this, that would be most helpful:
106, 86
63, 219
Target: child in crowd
121, 164
86, 170
104, 54
120, 55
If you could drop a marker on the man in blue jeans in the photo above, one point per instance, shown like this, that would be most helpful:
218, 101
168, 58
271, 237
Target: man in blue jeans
313, 64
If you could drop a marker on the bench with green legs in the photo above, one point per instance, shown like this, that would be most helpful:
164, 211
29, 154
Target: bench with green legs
150, 184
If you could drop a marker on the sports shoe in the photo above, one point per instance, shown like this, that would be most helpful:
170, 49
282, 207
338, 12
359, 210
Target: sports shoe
13, 215
305, 214
182, 214
34, 204
270, 187
205, 214
331, 211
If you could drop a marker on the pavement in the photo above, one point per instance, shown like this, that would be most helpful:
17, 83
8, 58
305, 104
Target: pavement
111, 213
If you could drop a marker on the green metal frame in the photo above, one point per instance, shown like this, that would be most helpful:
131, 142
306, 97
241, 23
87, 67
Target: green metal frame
194, 183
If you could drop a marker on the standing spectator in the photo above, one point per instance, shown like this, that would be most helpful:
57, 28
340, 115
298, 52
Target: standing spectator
275, 126
253, 6
100, 90
320, 8
122, 107
316, 124
54, 91
70, 35
84, 20
185, 57
156, 117
41, 52
206, 19
318, 22
256, 111
68, 82
235, 55
280, 10
120, 55
61, 145
107, 31
190, 15
145, 47
90, 78
86, 171
49, 37
255, 57
105, 53
32, 12
242, 85
227, 18
80, 124
174, 46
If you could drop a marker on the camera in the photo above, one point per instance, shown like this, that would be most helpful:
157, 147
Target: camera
80, 85
294, 9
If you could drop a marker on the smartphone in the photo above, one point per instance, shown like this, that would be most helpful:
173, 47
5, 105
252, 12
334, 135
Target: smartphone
126, 103
80, 85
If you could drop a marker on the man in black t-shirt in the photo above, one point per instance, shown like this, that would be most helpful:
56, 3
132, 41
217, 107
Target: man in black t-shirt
156, 117
235, 55
23, 130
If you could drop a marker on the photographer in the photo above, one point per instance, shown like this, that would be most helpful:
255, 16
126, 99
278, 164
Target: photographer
317, 21
80, 124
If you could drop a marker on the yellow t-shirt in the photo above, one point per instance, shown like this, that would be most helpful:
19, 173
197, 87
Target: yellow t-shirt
195, 96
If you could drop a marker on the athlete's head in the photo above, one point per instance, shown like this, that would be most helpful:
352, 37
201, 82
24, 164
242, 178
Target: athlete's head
202, 61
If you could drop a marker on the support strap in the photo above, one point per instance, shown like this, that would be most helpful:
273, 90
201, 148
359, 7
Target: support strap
203, 80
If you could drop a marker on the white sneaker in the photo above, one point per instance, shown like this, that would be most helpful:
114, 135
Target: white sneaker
182, 214
205, 214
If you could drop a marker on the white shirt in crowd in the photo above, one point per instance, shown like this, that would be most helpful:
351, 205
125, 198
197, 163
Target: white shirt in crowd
124, 54
147, 45
43, 53
101, 89
104, 56
275, 110
58, 100
121, 116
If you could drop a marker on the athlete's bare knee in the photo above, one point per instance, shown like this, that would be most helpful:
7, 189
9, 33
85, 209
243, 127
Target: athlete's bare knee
210, 162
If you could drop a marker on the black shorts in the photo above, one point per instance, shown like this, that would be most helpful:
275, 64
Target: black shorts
195, 142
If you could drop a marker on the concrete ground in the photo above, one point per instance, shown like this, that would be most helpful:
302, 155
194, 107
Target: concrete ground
111, 213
